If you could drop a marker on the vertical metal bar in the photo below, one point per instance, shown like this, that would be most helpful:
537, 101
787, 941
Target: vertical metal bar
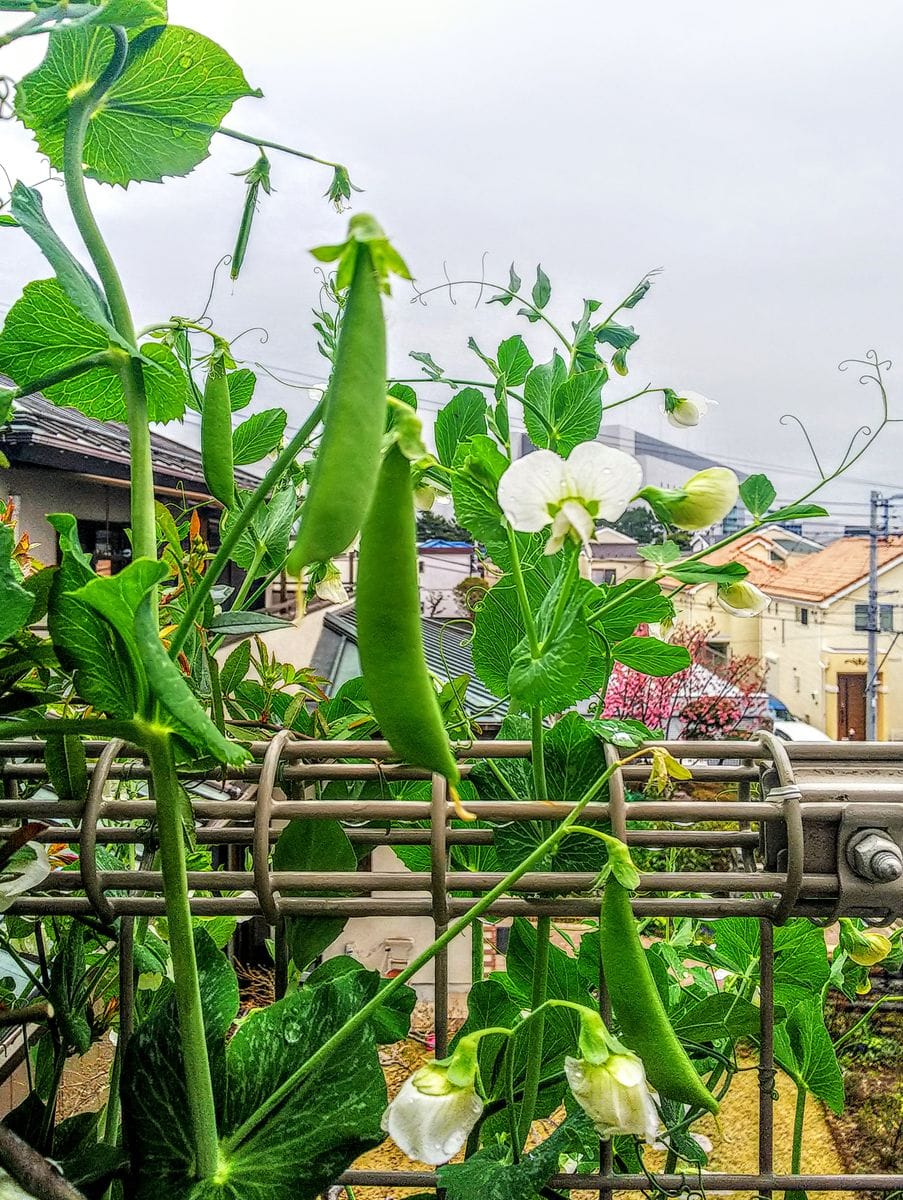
281, 957
126, 981
438, 870
766, 1050
616, 796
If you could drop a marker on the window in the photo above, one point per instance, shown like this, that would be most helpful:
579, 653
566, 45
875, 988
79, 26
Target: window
802, 616
606, 575
885, 618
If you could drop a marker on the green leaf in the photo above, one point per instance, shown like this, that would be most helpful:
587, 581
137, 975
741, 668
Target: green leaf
130, 14
235, 668
245, 623
514, 360
551, 679
539, 388
542, 289
717, 1017
241, 387
168, 686
491, 1175
702, 572
259, 436
667, 552
651, 656
803, 1048
758, 494
577, 410
621, 731
85, 644
431, 368
16, 602
479, 465
505, 298
45, 332
619, 609
798, 512
312, 846
575, 757
158, 117
270, 529
305, 1143
462, 418
392, 1021
27, 207
621, 337
64, 757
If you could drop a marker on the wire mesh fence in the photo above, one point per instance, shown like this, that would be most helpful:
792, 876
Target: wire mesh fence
782, 815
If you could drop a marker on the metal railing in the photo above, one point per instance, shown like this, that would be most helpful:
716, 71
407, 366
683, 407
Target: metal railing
784, 812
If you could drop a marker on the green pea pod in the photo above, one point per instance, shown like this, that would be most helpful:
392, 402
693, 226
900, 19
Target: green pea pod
344, 475
636, 1003
390, 639
216, 433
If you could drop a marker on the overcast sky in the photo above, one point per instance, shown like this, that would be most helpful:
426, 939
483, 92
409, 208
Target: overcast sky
751, 151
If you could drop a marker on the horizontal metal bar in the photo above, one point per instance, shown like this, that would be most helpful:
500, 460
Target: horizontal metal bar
409, 881
393, 906
408, 810
700, 839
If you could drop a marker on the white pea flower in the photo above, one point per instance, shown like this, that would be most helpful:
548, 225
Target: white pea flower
742, 599
609, 1082
705, 499
614, 1095
330, 586
686, 409
431, 1117
596, 482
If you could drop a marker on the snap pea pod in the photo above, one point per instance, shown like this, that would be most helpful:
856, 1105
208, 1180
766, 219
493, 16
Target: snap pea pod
216, 432
390, 639
636, 1003
345, 471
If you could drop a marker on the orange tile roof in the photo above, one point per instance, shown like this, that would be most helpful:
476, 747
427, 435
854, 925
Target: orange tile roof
841, 565
762, 574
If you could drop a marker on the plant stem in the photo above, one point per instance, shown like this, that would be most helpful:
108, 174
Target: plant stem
537, 1028
796, 1154
360, 1018
144, 534
538, 754
236, 527
196, 1065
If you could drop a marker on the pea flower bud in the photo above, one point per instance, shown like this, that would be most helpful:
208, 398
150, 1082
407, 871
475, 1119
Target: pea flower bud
686, 409
866, 947
705, 499
608, 1081
742, 599
436, 1108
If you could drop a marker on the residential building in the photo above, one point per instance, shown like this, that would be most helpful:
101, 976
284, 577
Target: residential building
615, 558
62, 461
815, 640
766, 553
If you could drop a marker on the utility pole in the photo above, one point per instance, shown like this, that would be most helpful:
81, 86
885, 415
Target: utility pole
871, 677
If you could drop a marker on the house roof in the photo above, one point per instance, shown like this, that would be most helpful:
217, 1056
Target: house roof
840, 566
748, 551
43, 434
446, 649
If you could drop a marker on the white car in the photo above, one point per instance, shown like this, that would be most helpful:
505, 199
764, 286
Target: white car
799, 731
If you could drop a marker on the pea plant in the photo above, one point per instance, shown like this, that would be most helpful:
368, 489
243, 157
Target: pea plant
278, 1103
